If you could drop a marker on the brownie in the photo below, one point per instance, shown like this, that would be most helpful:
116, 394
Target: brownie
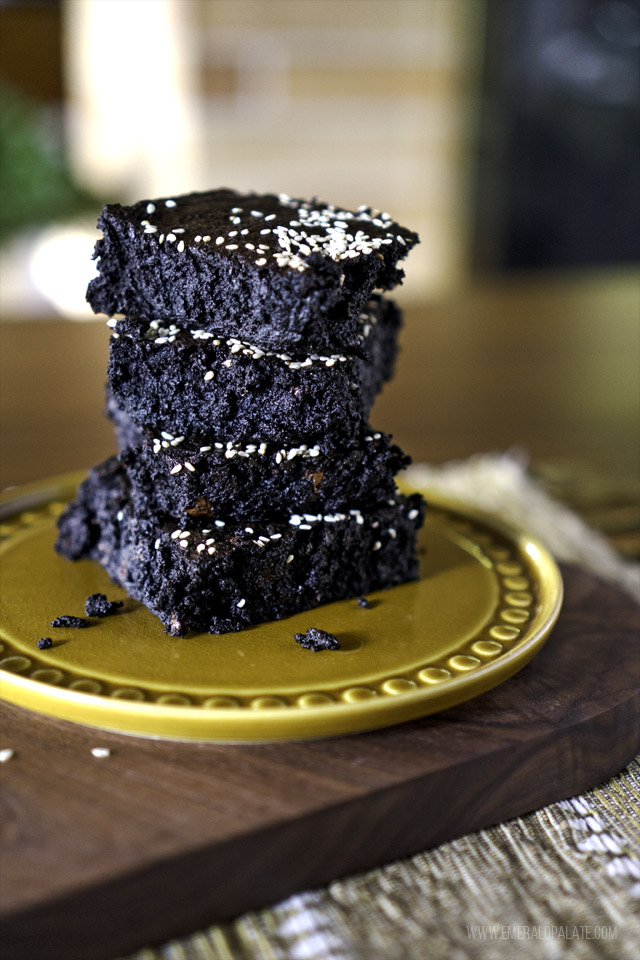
191, 382
317, 640
276, 271
274, 570
183, 476
97, 605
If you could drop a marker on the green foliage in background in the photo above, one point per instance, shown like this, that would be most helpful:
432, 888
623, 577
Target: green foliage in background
35, 181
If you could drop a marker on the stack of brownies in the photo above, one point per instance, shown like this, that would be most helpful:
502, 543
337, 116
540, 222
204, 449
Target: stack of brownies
246, 353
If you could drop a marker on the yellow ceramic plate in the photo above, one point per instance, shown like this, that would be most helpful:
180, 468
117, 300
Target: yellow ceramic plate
485, 603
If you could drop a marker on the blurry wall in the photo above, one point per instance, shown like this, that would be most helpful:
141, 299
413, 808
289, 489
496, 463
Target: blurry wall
354, 101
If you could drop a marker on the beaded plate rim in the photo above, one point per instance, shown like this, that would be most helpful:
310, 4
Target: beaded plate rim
527, 578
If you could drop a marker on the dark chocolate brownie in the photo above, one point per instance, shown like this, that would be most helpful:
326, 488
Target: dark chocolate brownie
292, 274
317, 640
183, 477
98, 606
266, 574
192, 382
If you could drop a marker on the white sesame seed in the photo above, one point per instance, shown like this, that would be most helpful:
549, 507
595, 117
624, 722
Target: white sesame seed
271, 216
100, 752
376, 545
181, 246
256, 213
210, 540
151, 208
250, 246
248, 529
171, 237
231, 246
263, 233
236, 209
6, 754
241, 603
176, 469
261, 262
413, 514
276, 536
219, 523
205, 449
170, 203
197, 238
184, 543
190, 467
211, 551
157, 544
200, 548
290, 558
209, 375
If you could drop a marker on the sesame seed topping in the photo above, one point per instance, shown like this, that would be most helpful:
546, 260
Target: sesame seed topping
176, 469
170, 203
171, 237
6, 754
100, 752
157, 544
181, 246
413, 514
376, 545
189, 466
290, 558
209, 375
211, 551
151, 208
200, 548
241, 603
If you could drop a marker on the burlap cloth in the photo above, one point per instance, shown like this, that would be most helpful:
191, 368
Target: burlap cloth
561, 882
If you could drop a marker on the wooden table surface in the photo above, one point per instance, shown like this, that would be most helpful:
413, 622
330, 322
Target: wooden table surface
549, 363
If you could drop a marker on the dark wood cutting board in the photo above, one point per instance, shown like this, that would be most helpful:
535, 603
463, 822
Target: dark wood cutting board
101, 857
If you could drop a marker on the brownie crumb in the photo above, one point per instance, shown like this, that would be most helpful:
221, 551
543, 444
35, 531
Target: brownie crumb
44, 643
65, 621
364, 603
97, 605
317, 640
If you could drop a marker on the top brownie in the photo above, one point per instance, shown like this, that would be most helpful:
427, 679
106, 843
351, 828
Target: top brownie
281, 272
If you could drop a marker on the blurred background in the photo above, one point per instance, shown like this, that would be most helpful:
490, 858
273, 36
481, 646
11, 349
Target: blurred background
505, 132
